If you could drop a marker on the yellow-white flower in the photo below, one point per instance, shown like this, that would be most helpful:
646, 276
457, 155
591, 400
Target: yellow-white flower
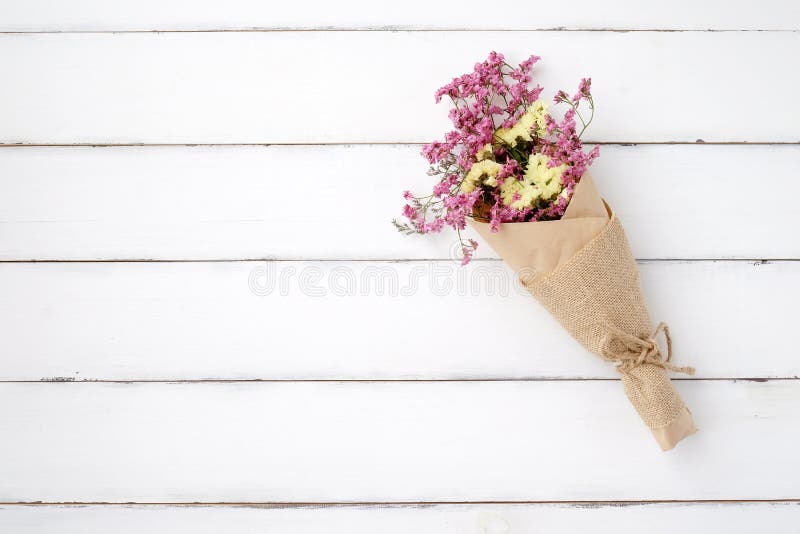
547, 179
518, 194
485, 153
532, 121
539, 182
481, 173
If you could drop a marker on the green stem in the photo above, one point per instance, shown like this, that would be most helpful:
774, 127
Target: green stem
591, 118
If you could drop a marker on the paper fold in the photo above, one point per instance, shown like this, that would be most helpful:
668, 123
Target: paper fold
539, 248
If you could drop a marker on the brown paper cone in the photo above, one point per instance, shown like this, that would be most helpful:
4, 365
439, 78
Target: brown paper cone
582, 270
539, 247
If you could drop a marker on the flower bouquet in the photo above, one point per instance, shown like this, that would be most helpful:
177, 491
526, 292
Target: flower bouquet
519, 177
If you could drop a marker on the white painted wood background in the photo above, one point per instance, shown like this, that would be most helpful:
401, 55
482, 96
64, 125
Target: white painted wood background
207, 323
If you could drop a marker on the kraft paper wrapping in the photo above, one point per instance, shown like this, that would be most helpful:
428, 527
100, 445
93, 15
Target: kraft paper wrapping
581, 269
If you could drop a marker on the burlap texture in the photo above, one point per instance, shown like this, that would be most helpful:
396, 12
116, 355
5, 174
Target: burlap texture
596, 295
581, 269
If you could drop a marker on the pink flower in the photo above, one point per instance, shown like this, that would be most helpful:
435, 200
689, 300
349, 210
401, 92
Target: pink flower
442, 188
584, 90
468, 250
492, 96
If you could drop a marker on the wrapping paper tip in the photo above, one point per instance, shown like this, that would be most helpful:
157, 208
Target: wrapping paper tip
670, 435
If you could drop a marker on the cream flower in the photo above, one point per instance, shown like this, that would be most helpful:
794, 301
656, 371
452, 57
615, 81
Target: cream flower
546, 178
539, 182
485, 153
532, 121
518, 194
481, 173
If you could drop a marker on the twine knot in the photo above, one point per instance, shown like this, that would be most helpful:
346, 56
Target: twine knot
641, 350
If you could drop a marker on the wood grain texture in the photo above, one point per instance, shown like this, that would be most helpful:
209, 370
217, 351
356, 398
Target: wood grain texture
342, 320
334, 87
363, 398
688, 518
96, 15
334, 442
335, 202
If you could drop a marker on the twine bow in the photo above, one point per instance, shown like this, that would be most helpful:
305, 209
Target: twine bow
640, 351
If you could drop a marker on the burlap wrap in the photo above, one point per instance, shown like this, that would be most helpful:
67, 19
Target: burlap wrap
582, 270
597, 297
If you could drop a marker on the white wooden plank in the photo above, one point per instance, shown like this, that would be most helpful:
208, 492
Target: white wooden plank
666, 518
383, 441
323, 87
677, 201
96, 15
339, 320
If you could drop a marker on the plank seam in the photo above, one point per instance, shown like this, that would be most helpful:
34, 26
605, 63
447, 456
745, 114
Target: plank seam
73, 380
394, 29
383, 143
753, 261
335, 504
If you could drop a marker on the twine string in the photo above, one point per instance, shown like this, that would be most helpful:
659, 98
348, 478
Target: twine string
639, 351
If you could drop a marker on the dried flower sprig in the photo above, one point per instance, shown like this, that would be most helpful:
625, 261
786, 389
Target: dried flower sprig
507, 159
